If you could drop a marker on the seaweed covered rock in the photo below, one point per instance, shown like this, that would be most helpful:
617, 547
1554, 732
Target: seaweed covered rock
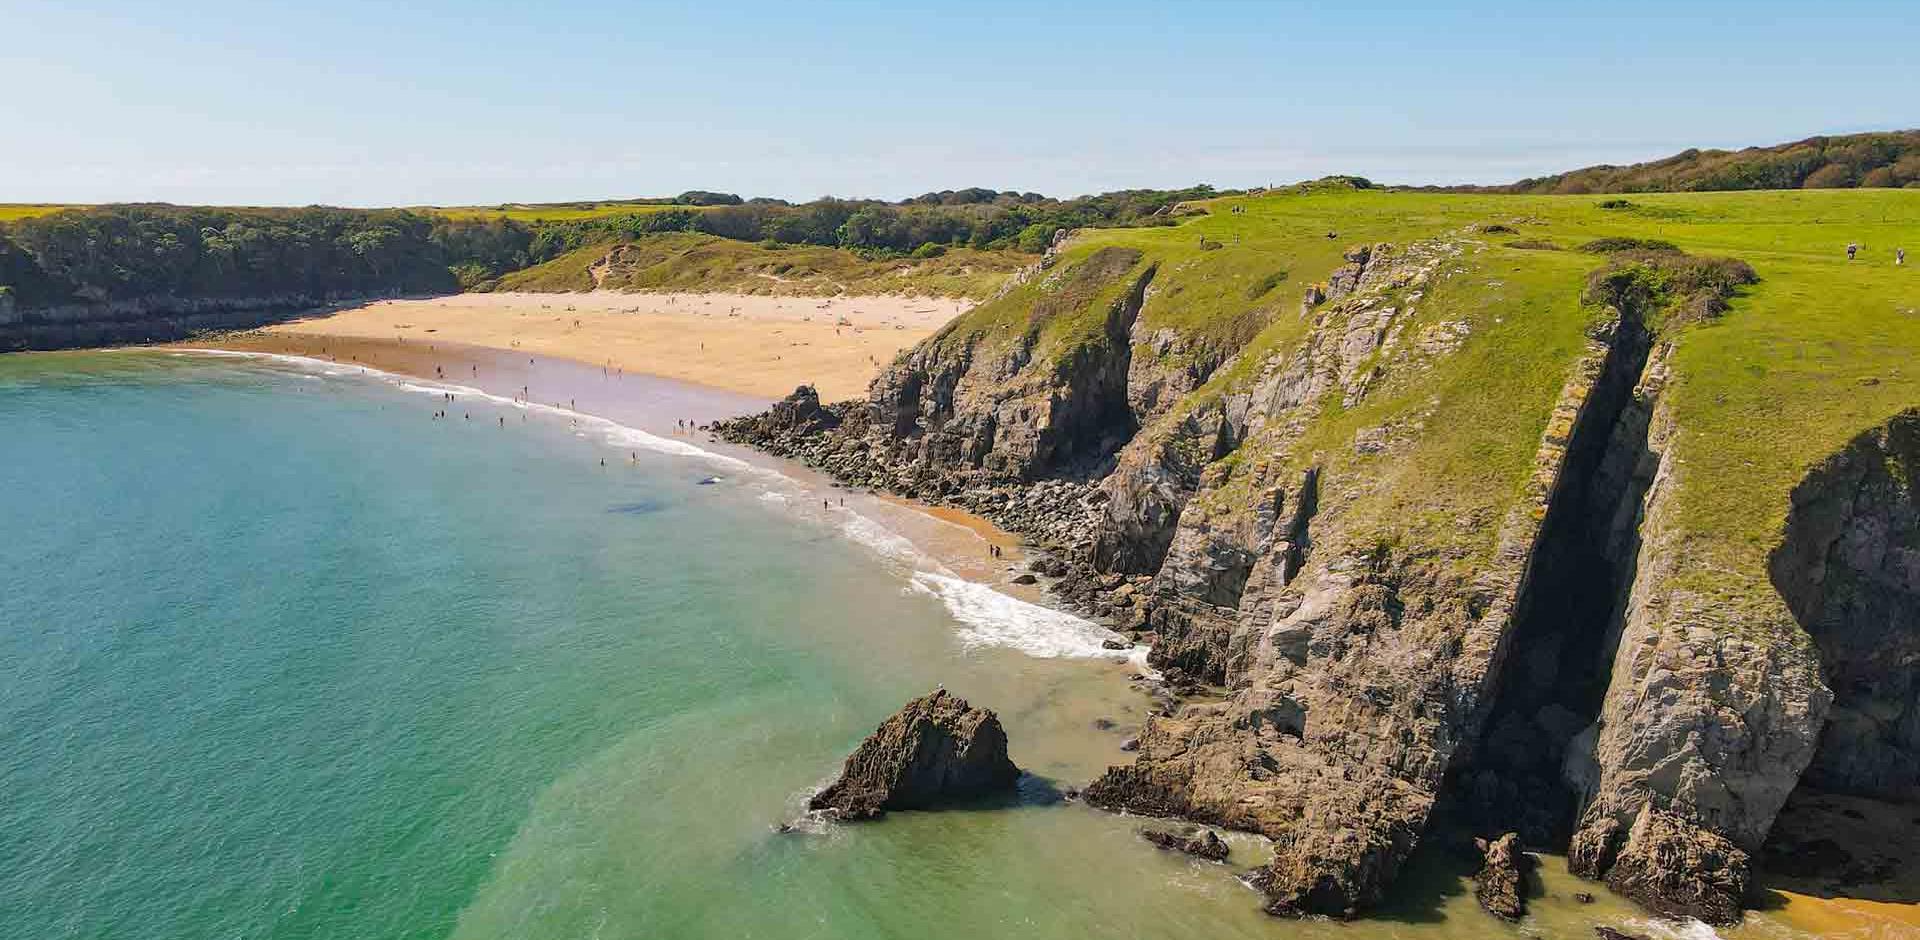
935, 749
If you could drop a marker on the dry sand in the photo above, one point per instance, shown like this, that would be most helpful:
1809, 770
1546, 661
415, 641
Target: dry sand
761, 346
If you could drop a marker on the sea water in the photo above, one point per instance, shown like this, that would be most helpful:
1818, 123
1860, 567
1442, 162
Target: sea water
285, 655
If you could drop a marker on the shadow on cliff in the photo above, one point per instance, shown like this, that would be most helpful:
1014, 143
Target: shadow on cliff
1437, 872
1848, 567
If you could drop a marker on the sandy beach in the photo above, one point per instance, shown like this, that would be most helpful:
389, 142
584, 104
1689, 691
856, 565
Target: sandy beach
758, 346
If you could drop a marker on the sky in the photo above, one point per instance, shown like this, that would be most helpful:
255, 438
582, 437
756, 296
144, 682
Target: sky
479, 102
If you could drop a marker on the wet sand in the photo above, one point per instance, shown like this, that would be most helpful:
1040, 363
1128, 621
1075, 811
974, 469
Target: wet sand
754, 345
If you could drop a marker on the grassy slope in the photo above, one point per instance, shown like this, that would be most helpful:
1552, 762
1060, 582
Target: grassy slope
1817, 351
708, 263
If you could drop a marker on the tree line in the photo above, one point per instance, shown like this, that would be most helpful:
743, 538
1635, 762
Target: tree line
120, 252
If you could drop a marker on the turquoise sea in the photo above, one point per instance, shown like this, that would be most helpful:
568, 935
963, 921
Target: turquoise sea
285, 656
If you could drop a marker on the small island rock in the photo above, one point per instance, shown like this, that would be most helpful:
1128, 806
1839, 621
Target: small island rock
935, 749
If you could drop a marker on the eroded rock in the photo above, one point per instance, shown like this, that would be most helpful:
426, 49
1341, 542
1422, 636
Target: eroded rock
1500, 887
936, 749
1202, 843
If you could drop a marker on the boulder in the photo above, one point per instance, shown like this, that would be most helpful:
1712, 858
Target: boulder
935, 749
1203, 843
1501, 884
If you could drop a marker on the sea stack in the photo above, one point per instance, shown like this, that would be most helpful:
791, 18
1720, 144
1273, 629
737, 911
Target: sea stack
935, 749
1501, 884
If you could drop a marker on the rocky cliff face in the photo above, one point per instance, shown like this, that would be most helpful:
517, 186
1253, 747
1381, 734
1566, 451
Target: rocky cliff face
1849, 568
1538, 661
1711, 712
145, 320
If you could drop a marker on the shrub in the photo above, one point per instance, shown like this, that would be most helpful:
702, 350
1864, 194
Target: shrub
1615, 204
1495, 228
1259, 288
929, 250
1604, 246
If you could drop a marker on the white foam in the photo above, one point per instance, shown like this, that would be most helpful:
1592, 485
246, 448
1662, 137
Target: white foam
1687, 929
612, 432
990, 618
885, 542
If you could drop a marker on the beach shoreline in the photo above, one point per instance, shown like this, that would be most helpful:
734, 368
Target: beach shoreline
964, 546
749, 344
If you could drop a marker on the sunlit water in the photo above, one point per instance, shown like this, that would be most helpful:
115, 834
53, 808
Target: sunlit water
286, 657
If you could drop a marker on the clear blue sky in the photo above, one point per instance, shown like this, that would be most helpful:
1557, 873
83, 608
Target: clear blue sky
362, 103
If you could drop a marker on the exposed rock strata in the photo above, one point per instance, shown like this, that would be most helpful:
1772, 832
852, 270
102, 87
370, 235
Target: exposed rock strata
1711, 713
936, 749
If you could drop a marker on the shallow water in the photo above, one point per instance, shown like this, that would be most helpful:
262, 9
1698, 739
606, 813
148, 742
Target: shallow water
286, 657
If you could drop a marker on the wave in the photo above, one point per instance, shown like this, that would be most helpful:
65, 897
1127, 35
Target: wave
990, 618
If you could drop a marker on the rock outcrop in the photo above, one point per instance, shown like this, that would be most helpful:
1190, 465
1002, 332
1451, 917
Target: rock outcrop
1712, 710
935, 750
1849, 568
1500, 885
1203, 843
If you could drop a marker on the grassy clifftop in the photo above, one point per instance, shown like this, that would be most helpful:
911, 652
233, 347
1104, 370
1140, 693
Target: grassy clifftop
1819, 349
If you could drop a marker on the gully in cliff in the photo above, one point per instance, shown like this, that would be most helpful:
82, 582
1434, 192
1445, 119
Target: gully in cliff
936, 749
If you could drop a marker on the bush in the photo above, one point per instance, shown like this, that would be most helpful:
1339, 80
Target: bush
1035, 238
1615, 204
1604, 246
929, 250
1259, 288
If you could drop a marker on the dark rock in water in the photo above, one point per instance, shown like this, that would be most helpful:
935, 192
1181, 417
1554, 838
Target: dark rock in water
1201, 844
1130, 745
1501, 884
1103, 724
1048, 565
1608, 933
709, 481
1115, 645
1583, 897
935, 749
1025, 579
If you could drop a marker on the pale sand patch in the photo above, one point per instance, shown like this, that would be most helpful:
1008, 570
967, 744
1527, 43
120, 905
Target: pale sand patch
754, 345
